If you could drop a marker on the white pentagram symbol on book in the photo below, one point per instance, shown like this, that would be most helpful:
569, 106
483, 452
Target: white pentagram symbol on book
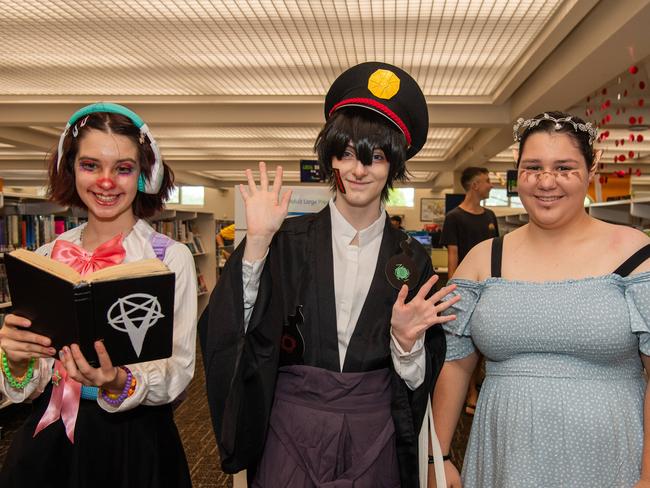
134, 314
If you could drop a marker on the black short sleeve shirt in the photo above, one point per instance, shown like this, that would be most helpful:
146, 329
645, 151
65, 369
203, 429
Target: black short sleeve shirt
465, 230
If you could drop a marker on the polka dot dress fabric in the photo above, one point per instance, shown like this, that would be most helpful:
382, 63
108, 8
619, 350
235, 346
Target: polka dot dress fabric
562, 401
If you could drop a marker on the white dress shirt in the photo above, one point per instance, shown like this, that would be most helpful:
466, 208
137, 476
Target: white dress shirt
354, 268
160, 381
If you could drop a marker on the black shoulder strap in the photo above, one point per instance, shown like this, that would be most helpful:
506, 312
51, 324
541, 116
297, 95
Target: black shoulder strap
633, 261
497, 254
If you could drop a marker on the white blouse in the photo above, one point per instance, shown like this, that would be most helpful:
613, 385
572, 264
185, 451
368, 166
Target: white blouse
158, 382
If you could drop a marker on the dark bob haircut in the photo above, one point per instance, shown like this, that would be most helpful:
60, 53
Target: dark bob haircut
62, 188
366, 131
580, 138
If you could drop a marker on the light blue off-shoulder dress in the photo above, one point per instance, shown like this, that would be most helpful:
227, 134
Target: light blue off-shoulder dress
562, 401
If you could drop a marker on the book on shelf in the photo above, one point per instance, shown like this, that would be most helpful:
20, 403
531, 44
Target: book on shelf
201, 284
32, 231
198, 244
130, 306
179, 230
191, 246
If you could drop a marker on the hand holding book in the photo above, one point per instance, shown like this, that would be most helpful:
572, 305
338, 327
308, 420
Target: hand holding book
130, 306
105, 376
19, 344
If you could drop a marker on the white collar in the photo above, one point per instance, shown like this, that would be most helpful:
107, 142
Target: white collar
343, 231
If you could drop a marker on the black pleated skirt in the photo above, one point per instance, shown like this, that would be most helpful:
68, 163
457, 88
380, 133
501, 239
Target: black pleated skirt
139, 448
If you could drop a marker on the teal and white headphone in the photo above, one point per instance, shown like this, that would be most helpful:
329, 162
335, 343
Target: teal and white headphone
149, 185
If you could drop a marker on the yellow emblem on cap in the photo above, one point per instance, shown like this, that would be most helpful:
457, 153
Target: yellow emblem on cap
383, 84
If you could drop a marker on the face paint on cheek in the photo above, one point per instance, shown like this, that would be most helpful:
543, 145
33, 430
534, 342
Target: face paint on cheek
338, 180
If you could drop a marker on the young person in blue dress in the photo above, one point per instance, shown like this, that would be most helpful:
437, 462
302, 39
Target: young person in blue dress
103, 426
560, 308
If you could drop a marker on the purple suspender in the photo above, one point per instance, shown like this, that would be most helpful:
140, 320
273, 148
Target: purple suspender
160, 243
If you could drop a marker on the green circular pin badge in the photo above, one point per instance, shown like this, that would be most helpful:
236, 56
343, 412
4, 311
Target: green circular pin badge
402, 273
401, 270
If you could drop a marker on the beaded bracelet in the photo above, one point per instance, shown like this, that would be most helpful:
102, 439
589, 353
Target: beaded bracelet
115, 396
22, 381
128, 384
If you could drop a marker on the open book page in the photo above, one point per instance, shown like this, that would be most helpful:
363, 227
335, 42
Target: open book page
144, 267
51, 266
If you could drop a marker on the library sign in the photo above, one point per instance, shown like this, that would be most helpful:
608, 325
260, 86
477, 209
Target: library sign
310, 171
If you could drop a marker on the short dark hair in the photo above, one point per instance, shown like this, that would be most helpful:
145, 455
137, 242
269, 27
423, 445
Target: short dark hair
396, 218
580, 138
469, 174
366, 131
62, 188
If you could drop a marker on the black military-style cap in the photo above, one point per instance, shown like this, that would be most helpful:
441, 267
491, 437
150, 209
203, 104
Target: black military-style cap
388, 90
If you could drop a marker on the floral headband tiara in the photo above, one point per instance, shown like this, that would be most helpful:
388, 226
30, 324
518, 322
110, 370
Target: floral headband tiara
528, 124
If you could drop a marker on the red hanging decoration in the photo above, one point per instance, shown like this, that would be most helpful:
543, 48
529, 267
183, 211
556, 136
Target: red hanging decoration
601, 180
631, 155
631, 137
622, 157
639, 138
616, 142
620, 173
615, 159
641, 102
637, 172
625, 92
642, 85
622, 142
632, 120
604, 92
640, 119
633, 70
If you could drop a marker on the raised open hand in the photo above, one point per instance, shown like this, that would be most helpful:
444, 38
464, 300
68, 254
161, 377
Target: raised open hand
411, 320
265, 210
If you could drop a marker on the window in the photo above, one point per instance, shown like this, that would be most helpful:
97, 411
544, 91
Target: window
174, 197
192, 195
401, 197
187, 195
499, 198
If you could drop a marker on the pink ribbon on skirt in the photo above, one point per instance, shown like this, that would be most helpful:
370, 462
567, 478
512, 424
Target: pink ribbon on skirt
66, 392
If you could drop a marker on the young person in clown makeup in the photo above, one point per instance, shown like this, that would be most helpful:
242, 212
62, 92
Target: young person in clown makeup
560, 308
115, 425
312, 338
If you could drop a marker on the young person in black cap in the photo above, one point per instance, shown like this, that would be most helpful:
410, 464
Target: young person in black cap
318, 346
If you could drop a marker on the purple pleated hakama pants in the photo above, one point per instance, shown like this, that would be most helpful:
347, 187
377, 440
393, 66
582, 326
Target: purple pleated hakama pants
330, 430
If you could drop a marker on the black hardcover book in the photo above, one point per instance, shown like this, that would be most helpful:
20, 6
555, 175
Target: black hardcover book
130, 307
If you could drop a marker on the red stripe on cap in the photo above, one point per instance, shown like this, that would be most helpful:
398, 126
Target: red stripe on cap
379, 106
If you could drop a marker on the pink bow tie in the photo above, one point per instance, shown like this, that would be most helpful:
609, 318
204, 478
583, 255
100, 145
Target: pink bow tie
66, 392
108, 254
